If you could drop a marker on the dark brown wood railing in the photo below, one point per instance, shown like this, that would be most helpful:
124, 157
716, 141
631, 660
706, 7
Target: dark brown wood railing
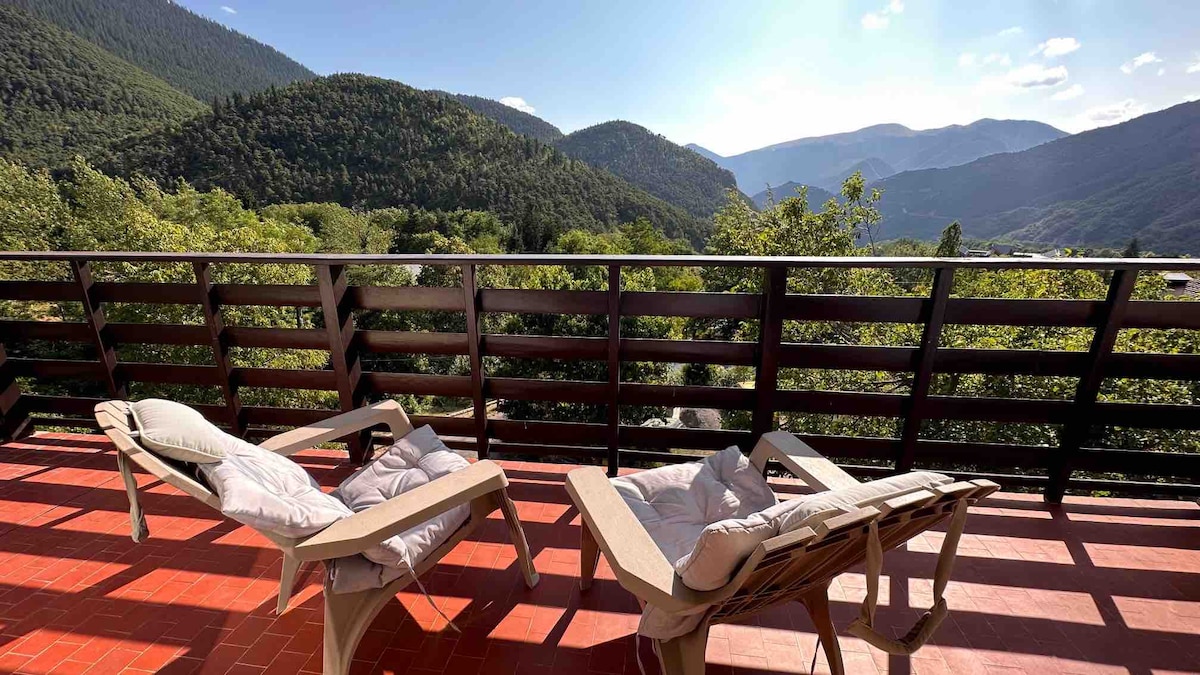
1054, 469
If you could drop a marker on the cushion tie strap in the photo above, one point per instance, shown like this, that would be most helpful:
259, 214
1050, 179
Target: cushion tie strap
137, 520
915, 638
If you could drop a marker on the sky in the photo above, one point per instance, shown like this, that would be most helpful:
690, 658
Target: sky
735, 76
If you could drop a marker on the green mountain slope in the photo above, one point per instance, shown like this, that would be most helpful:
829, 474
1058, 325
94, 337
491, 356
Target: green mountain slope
1138, 179
368, 142
61, 95
519, 121
651, 162
193, 54
815, 159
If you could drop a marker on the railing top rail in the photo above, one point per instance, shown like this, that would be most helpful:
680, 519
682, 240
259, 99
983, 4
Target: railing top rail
1164, 264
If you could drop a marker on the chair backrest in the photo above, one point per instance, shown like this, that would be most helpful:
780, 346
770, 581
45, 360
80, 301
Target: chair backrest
115, 420
790, 565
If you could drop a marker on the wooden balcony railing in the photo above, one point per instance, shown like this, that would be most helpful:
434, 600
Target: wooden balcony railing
1052, 468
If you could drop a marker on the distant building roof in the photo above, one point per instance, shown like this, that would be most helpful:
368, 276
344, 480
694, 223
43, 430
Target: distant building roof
1176, 277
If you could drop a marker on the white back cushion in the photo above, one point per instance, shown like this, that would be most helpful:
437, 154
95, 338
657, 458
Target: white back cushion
178, 432
413, 461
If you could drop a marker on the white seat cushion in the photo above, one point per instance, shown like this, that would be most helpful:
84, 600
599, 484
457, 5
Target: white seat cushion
411, 462
178, 432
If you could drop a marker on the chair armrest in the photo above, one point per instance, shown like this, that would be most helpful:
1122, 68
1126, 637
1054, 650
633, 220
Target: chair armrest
799, 458
367, 528
636, 560
384, 412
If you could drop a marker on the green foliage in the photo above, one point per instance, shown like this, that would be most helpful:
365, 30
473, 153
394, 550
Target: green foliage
519, 121
950, 245
371, 143
658, 166
60, 95
194, 54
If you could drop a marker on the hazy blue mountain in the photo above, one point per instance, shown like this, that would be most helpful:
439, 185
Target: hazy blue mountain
1103, 187
872, 169
816, 159
816, 196
704, 152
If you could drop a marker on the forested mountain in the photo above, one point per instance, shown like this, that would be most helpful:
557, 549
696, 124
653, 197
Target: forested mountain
193, 54
872, 169
60, 95
1102, 187
368, 142
815, 160
704, 152
519, 121
816, 195
653, 163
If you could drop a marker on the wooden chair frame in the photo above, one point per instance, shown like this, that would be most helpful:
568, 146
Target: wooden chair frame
483, 485
798, 565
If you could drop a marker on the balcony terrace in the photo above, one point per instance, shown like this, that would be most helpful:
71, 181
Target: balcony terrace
1049, 578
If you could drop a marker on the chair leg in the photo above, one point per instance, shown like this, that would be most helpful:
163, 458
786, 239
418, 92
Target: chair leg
816, 602
517, 534
347, 617
287, 582
589, 555
683, 655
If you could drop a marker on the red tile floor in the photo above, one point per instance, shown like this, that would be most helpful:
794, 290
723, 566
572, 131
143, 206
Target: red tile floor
1096, 586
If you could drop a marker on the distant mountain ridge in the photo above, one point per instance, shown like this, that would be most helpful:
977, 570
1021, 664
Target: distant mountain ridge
1140, 178
519, 121
193, 54
814, 160
368, 142
653, 163
816, 195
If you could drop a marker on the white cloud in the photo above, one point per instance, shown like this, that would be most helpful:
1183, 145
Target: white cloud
1036, 75
880, 19
997, 59
1143, 59
1010, 31
1073, 91
228, 10
518, 103
1161, 72
966, 60
1114, 113
1194, 67
1058, 46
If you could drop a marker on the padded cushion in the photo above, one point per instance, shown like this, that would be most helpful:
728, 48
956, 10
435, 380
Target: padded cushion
808, 510
271, 493
413, 461
178, 432
677, 503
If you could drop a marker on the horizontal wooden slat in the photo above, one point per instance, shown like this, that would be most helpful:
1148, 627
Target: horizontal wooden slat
853, 447
841, 403
56, 368
170, 373
1148, 415
1009, 362
1154, 366
1026, 411
146, 293
523, 301
412, 342
445, 425
847, 357
688, 351
724, 398
39, 291
282, 378
418, 384
853, 308
1140, 488
1139, 462
158, 334
45, 422
694, 305
661, 457
568, 391
78, 406
407, 298
1004, 312
268, 295
285, 417
556, 433
503, 449
1162, 314
277, 338
665, 437
984, 454
544, 347
59, 331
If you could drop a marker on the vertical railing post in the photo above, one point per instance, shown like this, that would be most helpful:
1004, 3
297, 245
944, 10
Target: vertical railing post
614, 368
914, 410
219, 340
337, 308
474, 355
1078, 426
102, 340
770, 335
14, 419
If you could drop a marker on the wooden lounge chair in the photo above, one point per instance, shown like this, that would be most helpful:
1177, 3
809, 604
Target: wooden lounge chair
796, 565
347, 615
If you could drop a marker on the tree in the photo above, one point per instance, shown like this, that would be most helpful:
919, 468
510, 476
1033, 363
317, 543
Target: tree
1132, 250
950, 245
